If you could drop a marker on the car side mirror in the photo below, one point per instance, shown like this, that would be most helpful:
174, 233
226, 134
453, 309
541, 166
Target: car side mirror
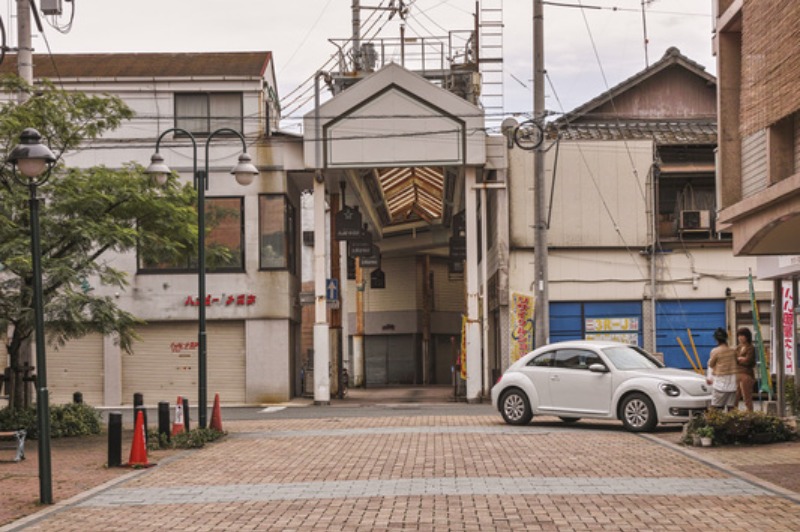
598, 368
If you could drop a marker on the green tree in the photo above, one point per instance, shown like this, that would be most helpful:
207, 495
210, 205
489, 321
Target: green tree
86, 215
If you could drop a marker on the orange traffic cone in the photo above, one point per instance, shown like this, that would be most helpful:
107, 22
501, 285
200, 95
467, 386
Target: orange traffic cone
138, 456
216, 415
177, 425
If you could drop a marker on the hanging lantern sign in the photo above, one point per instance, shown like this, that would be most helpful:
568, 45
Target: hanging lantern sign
348, 224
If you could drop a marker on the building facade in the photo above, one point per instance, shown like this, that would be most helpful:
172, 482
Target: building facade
758, 175
252, 315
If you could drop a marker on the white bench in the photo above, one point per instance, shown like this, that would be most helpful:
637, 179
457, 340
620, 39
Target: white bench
19, 436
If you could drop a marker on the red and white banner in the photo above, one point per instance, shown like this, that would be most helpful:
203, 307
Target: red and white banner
787, 321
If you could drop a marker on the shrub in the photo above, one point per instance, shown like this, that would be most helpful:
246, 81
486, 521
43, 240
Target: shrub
193, 439
740, 427
73, 419
792, 396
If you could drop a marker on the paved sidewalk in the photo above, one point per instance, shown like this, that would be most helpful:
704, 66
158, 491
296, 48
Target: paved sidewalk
431, 473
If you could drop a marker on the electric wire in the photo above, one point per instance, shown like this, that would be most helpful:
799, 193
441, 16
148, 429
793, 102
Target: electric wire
66, 28
603, 201
327, 63
622, 9
304, 39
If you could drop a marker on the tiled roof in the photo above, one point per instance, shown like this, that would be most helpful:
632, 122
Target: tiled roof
673, 56
664, 133
144, 65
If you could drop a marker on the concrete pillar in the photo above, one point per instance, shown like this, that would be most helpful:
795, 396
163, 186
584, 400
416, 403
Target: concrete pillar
473, 333
322, 385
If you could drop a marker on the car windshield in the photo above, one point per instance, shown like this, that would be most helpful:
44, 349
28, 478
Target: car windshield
628, 357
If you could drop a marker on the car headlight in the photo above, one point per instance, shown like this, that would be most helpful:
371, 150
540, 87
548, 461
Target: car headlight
670, 389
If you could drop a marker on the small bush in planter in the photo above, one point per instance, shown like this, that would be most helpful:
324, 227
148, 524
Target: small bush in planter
67, 420
739, 426
705, 432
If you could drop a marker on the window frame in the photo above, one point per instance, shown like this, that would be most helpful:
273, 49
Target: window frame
208, 117
289, 234
144, 270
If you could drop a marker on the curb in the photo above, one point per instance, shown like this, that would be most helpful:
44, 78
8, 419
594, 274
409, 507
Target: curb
730, 470
28, 520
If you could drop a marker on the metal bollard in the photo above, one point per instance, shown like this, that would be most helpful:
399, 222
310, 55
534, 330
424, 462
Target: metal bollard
186, 414
77, 398
138, 404
163, 421
114, 439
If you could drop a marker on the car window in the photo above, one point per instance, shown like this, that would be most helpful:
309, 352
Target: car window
543, 360
627, 357
576, 358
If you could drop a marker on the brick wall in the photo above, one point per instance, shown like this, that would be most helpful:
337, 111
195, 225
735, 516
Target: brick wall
771, 62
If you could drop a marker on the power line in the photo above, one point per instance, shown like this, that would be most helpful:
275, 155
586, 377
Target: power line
622, 9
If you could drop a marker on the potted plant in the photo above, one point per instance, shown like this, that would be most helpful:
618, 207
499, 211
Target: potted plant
706, 435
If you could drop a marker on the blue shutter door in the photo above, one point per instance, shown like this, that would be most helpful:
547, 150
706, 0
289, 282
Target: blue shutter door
673, 318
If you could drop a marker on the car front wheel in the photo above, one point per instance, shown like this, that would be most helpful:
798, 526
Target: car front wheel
638, 413
515, 408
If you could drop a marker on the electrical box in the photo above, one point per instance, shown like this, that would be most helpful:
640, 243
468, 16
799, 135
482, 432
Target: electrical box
695, 221
51, 7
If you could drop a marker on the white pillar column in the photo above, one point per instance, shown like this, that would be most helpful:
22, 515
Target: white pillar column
322, 385
474, 366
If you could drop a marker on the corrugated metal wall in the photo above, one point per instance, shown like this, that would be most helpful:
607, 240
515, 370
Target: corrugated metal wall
675, 318
76, 367
164, 363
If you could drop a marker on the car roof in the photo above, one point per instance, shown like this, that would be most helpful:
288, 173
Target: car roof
598, 344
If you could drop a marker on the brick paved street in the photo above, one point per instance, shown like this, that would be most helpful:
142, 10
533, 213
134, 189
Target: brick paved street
426, 472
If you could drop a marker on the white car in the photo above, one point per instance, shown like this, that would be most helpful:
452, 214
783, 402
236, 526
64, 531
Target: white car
599, 380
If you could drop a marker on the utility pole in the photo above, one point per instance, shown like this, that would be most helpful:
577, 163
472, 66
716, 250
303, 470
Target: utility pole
356, 7
541, 304
24, 46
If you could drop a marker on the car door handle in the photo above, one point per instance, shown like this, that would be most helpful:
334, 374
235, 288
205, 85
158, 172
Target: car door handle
554, 378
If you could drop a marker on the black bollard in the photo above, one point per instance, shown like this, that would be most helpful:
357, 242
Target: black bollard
114, 439
77, 398
138, 403
186, 414
163, 421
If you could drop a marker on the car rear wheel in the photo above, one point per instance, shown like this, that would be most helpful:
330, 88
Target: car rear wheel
515, 408
638, 413
569, 419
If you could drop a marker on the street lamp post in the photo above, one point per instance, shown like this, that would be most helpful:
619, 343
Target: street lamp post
245, 172
34, 161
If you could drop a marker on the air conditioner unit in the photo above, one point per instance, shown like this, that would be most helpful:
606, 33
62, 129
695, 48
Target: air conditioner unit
695, 221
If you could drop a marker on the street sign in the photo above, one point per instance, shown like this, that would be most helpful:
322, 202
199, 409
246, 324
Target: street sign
373, 260
348, 224
332, 289
458, 248
361, 247
377, 279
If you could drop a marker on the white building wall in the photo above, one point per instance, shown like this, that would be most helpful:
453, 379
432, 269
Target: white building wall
599, 194
162, 298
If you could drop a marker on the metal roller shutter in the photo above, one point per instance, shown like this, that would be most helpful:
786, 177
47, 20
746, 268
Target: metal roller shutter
76, 366
164, 363
674, 319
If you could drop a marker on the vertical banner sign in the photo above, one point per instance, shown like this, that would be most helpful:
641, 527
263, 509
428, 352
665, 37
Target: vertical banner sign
463, 350
789, 355
763, 376
521, 323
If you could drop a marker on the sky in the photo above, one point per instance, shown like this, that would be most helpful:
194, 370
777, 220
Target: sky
587, 50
